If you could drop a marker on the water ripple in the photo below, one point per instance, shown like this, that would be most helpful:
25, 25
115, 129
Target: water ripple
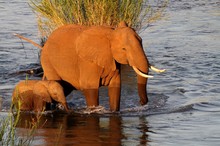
208, 107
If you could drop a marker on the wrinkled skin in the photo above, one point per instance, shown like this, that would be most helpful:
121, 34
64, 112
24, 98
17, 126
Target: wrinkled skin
88, 57
34, 94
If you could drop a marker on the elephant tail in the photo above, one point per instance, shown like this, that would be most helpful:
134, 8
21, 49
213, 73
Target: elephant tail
28, 40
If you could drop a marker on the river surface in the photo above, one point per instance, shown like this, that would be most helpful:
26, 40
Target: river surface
184, 102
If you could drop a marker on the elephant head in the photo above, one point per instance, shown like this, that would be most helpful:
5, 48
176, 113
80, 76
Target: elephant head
50, 90
126, 47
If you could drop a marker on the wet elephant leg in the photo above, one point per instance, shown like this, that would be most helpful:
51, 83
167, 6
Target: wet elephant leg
114, 92
89, 81
114, 98
92, 97
39, 104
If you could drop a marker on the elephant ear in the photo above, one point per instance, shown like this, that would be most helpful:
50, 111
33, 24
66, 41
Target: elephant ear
94, 45
41, 91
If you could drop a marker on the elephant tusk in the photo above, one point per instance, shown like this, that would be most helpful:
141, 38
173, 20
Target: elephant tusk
156, 69
140, 73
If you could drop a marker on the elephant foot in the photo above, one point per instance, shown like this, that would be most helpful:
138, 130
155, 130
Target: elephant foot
92, 97
142, 94
114, 98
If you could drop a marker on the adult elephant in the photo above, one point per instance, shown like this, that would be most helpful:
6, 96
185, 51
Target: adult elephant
87, 57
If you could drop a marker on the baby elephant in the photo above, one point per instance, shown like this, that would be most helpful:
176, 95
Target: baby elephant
34, 94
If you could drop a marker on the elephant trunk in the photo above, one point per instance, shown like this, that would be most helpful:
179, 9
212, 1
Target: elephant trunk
143, 67
142, 85
142, 89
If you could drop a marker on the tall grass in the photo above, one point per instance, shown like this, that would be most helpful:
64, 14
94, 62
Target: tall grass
54, 13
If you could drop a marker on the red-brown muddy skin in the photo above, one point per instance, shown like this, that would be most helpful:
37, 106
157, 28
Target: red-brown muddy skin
33, 94
87, 56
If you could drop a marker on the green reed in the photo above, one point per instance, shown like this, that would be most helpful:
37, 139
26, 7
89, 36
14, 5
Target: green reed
8, 126
54, 13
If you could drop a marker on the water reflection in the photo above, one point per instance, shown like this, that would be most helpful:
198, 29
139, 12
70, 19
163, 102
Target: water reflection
77, 129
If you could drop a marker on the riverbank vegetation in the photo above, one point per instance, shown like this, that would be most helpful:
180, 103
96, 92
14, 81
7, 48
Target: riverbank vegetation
8, 129
136, 13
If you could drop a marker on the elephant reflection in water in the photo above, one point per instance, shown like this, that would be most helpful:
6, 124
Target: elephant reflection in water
66, 129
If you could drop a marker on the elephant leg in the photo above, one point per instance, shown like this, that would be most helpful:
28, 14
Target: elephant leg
114, 98
114, 92
39, 104
89, 81
92, 97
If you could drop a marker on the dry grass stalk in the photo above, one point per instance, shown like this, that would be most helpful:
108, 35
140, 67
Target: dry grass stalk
54, 13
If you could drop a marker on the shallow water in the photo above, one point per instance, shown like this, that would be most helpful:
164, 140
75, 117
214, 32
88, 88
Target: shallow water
184, 106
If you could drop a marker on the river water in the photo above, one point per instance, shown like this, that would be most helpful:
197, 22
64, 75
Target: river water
184, 106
